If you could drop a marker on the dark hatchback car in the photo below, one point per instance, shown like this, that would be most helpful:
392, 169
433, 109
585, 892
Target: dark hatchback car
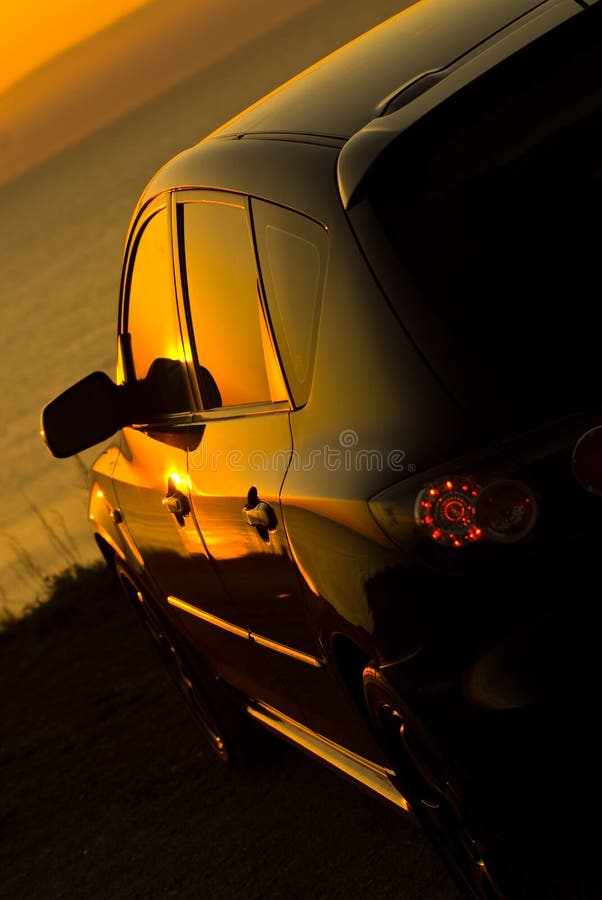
357, 491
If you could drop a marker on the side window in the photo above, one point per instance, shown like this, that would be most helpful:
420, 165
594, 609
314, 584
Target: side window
293, 255
152, 318
235, 361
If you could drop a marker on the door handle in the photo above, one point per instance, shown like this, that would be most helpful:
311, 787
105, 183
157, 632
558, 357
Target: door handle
177, 503
260, 514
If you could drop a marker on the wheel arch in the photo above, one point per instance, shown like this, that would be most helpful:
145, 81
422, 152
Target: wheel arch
350, 660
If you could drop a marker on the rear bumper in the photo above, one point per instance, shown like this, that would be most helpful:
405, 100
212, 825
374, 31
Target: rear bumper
553, 658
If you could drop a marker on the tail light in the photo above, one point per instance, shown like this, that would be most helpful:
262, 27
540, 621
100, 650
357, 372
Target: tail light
447, 508
459, 511
587, 460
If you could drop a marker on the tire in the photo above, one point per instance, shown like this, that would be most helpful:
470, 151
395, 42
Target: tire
500, 841
232, 735
441, 806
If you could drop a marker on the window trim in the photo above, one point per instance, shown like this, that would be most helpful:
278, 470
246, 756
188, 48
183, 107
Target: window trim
126, 370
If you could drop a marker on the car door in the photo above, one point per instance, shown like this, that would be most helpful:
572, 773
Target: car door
244, 446
152, 463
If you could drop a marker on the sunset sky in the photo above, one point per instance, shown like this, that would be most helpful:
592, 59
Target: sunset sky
69, 67
34, 31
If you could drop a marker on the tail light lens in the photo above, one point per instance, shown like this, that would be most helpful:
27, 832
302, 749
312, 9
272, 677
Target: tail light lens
459, 511
447, 508
507, 511
587, 460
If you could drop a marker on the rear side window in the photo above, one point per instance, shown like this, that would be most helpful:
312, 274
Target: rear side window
234, 357
293, 256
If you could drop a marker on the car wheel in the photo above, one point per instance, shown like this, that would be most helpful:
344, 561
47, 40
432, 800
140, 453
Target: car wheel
228, 731
178, 666
452, 823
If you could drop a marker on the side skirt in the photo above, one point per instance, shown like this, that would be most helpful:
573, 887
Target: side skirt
372, 776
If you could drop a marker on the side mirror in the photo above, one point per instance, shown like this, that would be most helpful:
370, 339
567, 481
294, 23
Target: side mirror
85, 414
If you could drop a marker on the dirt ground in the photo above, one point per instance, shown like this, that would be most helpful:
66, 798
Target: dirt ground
108, 790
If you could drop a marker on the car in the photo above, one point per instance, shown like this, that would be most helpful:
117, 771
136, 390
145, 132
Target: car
356, 495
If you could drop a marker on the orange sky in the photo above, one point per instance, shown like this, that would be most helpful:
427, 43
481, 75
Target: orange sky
33, 31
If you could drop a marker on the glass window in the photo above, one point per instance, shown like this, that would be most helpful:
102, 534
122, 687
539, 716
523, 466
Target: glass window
236, 362
494, 226
293, 253
152, 314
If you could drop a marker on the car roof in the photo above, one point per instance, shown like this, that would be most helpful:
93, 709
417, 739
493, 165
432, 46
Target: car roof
354, 84
358, 84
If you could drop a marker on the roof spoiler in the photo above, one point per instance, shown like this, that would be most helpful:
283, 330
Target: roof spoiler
363, 150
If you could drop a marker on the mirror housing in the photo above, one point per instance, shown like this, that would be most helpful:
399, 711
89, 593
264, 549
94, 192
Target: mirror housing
87, 413
163, 391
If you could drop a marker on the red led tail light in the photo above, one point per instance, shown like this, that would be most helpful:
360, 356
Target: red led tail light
459, 511
447, 508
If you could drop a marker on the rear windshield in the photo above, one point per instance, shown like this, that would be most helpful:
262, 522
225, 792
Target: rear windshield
494, 208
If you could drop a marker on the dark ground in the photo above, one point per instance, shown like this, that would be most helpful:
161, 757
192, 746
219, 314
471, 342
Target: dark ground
108, 790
